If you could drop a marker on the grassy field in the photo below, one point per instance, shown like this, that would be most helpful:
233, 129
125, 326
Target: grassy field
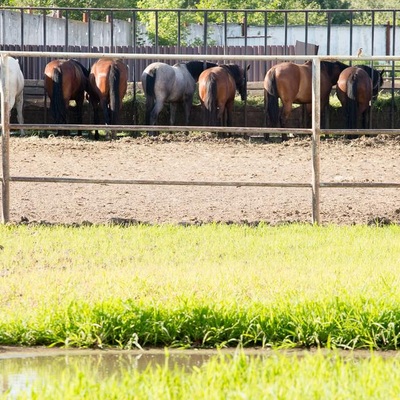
208, 286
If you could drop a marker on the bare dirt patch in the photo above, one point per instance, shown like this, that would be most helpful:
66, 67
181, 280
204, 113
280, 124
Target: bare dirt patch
179, 157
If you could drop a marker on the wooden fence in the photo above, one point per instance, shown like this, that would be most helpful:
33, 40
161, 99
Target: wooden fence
33, 67
315, 184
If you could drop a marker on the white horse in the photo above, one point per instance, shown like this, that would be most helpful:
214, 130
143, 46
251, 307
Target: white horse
16, 88
174, 84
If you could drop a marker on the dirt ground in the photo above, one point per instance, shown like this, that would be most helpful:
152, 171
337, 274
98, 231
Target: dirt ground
178, 157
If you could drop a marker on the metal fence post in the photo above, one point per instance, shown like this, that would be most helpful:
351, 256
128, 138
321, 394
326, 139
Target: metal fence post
316, 132
5, 142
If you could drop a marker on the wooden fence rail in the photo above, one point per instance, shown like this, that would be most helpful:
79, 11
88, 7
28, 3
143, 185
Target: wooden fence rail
315, 184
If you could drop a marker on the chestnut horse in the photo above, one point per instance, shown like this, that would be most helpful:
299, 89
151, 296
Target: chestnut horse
108, 84
356, 87
292, 83
65, 80
217, 89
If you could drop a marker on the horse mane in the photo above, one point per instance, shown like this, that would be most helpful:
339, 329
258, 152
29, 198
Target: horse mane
84, 70
329, 66
195, 68
235, 71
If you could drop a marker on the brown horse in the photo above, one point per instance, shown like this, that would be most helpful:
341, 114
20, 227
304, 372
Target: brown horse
108, 82
356, 87
292, 83
65, 80
217, 88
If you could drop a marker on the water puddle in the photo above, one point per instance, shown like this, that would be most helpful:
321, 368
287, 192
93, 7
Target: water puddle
21, 367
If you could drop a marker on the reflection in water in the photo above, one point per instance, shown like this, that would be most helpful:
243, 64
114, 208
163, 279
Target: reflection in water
19, 371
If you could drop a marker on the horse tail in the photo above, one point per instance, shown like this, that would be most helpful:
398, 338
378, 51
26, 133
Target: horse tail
115, 105
149, 85
210, 102
272, 99
351, 106
57, 106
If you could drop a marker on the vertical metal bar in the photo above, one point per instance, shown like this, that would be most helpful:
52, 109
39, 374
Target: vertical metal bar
22, 28
372, 64
351, 35
178, 44
244, 65
316, 132
225, 32
265, 32
372, 32
393, 107
135, 68
205, 31
156, 38
89, 26
113, 48
134, 31
306, 33
328, 44
245, 31
5, 143
66, 30
286, 28
44, 30
266, 63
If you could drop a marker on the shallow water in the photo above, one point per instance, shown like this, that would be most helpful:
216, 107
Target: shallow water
21, 367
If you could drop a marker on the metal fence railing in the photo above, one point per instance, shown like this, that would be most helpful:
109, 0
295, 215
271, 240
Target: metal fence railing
315, 184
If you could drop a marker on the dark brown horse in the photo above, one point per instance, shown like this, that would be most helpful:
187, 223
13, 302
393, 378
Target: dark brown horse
65, 80
292, 83
108, 85
217, 89
356, 87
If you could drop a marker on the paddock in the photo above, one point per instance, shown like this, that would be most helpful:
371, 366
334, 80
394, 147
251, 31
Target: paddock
310, 184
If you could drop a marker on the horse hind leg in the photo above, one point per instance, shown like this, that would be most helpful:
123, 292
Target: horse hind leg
284, 117
158, 106
172, 113
187, 108
19, 105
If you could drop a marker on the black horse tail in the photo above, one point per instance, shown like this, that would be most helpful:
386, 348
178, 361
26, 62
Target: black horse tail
210, 102
115, 105
149, 84
57, 106
271, 99
351, 106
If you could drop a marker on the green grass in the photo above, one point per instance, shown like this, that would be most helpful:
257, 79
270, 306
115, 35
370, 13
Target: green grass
203, 286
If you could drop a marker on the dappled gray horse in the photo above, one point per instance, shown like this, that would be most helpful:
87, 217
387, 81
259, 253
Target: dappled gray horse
164, 83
